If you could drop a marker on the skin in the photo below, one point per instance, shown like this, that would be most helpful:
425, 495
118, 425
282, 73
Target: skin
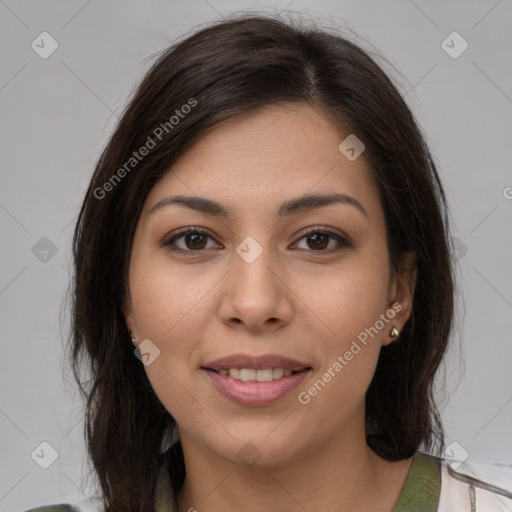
299, 299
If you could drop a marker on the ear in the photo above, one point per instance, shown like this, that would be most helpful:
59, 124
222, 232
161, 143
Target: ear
401, 293
127, 309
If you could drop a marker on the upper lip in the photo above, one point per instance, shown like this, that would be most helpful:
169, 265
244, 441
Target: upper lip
256, 362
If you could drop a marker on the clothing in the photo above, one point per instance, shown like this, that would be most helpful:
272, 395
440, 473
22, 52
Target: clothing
431, 486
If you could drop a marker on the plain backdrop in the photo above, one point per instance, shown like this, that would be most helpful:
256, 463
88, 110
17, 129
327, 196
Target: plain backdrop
58, 112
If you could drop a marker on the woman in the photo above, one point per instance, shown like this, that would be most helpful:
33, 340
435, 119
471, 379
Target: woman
268, 228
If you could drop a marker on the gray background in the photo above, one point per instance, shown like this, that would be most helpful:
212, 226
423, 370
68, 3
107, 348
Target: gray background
58, 112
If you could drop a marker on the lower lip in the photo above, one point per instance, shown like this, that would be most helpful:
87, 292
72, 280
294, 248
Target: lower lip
255, 393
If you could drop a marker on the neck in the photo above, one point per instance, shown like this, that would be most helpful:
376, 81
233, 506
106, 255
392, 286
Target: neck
340, 474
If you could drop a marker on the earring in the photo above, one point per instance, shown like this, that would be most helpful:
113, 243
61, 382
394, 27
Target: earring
394, 332
134, 340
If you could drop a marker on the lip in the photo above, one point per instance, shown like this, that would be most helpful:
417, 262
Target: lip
255, 393
256, 362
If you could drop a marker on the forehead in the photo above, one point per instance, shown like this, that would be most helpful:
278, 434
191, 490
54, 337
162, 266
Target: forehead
260, 158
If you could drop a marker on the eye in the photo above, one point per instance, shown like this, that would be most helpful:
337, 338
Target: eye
318, 239
194, 240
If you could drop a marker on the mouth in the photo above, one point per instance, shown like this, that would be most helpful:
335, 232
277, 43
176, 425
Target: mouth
255, 362
257, 375
236, 365
255, 380
250, 387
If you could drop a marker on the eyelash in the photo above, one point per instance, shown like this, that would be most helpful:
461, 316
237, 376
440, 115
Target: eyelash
343, 242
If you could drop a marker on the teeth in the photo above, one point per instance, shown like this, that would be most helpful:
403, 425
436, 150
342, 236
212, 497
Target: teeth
265, 375
278, 373
252, 375
248, 374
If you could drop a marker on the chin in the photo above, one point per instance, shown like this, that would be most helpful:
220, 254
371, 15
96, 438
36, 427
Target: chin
257, 451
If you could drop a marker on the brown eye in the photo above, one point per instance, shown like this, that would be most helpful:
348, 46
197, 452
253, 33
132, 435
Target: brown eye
194, 240
318, 240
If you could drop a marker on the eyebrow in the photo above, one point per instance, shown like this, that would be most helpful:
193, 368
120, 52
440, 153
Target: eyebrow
290, 207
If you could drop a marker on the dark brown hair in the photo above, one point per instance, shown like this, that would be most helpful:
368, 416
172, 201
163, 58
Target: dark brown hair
220, 71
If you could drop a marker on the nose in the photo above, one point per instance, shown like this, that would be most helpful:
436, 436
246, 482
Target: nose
255, 295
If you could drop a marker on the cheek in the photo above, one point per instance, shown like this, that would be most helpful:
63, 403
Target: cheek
168, 313
345, 310
166, 299
346, 300
168, 309
337, 394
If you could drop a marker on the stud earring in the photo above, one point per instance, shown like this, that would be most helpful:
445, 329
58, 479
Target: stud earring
394, 332
134, 340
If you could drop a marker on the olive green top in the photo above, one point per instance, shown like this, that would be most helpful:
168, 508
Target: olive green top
422, 488
420, 493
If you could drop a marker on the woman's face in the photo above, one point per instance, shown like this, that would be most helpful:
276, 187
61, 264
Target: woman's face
255, 284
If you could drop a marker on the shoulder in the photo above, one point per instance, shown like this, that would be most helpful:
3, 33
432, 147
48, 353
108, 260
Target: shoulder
82, 506
475, 486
